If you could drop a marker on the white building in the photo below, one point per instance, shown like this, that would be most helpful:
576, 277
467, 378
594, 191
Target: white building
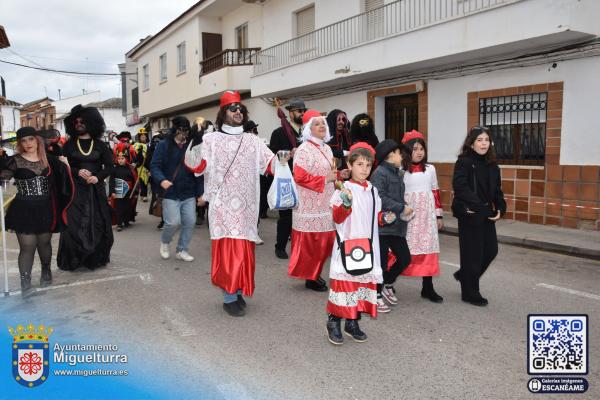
63, 106
526, 68
130, 90
10, 117
110, 110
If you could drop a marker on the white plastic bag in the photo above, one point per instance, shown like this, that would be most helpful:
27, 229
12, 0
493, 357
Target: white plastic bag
282, 194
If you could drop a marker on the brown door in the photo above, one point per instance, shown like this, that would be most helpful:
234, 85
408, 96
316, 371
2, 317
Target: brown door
401, 115
212, 43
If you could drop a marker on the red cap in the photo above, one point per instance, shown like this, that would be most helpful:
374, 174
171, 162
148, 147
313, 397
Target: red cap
310, 114
363, 145
412, 135
230, 97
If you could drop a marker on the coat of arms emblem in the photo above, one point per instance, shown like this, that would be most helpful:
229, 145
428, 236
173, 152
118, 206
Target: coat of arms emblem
30, 354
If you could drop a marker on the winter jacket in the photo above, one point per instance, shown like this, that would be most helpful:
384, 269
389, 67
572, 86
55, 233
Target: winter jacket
389, 182
167, 156
484, 199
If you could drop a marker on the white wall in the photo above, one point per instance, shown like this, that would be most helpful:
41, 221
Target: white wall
580, 135
248, 13
65, 105
114, 120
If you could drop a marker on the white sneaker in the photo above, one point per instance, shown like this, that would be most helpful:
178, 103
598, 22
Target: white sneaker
388, 294
184, 256
382, 307
164, 251
259, 241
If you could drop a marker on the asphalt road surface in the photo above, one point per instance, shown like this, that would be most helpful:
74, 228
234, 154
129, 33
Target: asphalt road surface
168, 313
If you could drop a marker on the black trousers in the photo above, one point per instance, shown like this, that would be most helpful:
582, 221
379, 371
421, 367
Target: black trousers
123, 211
478, 248
284, 228
400, 249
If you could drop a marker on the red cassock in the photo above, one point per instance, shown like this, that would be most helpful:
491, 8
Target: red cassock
233, 265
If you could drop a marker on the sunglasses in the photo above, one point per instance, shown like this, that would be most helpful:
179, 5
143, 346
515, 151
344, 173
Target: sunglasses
234, 107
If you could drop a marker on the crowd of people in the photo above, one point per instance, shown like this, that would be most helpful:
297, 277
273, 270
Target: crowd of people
372, 208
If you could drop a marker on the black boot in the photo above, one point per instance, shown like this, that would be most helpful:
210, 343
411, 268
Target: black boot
317, 286
25, 284
428, 292
241, 302
353, 330
234, 309
46, 278
334, 330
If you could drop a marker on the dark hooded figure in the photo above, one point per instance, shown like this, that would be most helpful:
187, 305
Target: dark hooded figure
88, 238
362, 129
339, 128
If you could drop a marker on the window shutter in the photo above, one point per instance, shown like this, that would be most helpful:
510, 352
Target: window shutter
373, 4
305, 21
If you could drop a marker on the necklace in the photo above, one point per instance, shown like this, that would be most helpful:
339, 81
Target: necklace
81, 150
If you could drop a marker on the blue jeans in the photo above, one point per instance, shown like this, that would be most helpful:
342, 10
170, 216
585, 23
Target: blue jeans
176, 213
231, 297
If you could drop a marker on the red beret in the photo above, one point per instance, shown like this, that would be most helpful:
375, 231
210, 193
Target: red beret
310, 114
230, 97
412, 135
363, 145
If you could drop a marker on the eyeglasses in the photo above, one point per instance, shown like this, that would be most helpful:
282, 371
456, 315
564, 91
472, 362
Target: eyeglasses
299, 110
234, 107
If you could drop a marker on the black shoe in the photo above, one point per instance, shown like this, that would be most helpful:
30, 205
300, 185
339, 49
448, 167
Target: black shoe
234, 309
456, 275
334, 331
119, 228
263, 215
241, 302
316, 286
26, 284
476, 300
352, 329
160, 225
321, 281
431, 295
46, 278
281, 253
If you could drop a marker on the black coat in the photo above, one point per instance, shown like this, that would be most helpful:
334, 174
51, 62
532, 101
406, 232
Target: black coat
280, 141
469, 194
389, 182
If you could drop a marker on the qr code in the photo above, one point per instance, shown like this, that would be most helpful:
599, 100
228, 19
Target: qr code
557, 344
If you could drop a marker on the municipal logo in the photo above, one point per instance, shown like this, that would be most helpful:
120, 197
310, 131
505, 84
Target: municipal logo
30, 354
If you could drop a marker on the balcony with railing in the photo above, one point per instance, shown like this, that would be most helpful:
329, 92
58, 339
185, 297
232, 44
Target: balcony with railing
410, 35
387, 21
228, 58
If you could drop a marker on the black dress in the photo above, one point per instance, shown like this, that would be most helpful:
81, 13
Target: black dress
88, 238
42, 194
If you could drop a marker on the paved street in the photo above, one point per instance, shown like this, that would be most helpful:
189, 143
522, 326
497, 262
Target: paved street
169, 313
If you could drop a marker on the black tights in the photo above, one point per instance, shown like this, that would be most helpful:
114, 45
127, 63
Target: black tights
28, 243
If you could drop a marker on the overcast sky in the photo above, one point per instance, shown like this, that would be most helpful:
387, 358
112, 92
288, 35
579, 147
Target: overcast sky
83, 35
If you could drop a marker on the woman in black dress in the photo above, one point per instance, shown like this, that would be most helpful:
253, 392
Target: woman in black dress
88, 238
44, 189
478, 203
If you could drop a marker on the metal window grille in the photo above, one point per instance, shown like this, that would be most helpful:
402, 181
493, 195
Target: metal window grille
518, 127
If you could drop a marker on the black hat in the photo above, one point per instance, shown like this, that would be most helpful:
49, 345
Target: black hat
124, 135
181, 122
92, 117
26, 131
295, 104
384, 148
249, 126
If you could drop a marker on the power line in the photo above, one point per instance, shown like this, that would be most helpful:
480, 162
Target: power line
66, 72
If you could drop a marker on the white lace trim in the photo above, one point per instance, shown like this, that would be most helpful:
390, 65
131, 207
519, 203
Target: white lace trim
351, 299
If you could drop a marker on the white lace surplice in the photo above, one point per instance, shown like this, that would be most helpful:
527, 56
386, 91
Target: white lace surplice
313, 213
234, 196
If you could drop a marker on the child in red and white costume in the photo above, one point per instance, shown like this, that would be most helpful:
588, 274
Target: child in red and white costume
356, 217
422, 194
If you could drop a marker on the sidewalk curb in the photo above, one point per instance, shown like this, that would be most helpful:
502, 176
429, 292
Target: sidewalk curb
538, 244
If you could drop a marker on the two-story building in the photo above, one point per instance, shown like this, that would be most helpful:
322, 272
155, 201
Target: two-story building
525, 68
130, 90
39, 114
10, 117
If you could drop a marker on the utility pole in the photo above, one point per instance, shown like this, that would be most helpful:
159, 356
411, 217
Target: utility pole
59, 94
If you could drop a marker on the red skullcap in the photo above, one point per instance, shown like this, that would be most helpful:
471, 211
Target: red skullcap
363, 145
310, 114
412, 135
230, 97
